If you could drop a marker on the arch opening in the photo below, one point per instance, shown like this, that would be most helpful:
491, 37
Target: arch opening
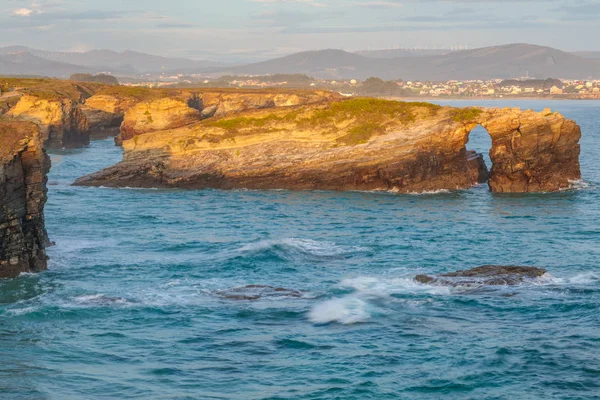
479, 146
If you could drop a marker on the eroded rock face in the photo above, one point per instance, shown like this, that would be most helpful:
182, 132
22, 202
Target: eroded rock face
61, 121
220, 103
156, 115
105, 113
486, 275
532, 152
359, 144
23, 169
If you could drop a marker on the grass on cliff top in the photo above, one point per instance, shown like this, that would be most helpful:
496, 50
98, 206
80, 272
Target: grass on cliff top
360, 134
369, 110
140, 93
365, 110
51, 89
465, 114
368, 115
237, 123
11, 133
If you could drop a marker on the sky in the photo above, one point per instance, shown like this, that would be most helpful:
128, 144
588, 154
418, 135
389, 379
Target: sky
250, 30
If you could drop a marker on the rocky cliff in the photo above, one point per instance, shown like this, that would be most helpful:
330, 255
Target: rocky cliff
358, 144
156, 115
163, 110
23, 168
531, 152
105, 113
60, 119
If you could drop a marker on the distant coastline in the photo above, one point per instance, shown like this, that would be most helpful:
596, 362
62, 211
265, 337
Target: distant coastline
495, 98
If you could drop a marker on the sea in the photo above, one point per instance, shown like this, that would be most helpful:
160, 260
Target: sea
208, 294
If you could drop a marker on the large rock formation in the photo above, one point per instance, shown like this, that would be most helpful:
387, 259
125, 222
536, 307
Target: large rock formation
358, 144
531, 152
23, 168
61, 121
493, 275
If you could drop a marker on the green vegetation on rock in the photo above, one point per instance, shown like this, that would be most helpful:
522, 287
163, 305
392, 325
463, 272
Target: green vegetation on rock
99, 78
369, 110
465, 114
360, 134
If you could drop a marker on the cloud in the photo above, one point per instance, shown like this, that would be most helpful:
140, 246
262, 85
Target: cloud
22, 12
378, 4
313, 3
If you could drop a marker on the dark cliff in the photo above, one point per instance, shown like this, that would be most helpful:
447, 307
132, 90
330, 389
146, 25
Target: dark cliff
23, 174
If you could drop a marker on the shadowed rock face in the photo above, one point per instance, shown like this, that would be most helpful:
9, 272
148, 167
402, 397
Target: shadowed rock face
485, 275
23, 169
105, 114
358, 144
256, 292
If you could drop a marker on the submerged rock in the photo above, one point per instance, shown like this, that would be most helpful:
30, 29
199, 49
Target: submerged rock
256, 292
486, 275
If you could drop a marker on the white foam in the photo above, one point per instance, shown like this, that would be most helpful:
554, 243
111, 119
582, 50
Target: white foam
21, 311
429, 192
584, 279
347, 310
384, 287
99, 299
578, 184
308, 246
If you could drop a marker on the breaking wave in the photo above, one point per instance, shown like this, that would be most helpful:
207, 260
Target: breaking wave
293, 247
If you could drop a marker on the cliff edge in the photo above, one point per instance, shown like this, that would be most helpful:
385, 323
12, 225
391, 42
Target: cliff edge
23, 169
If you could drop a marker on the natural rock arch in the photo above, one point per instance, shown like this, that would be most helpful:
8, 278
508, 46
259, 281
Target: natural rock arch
531, 151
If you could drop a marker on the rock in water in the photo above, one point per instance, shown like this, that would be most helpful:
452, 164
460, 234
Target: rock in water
485, 275
256, 292
23, 175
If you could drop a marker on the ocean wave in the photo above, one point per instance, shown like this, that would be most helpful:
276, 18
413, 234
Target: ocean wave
372, 286
100, 299
579, 184
306, 247
346, 310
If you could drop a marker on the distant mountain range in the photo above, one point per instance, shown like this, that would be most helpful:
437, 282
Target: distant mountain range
508, 61
127, 63
404, 53
505, 62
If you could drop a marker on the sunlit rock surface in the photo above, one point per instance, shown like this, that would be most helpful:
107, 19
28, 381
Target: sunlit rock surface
357, 144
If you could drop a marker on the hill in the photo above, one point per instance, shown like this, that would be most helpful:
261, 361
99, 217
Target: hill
28, 64
508, 61
121, 63
588, 54
401, 53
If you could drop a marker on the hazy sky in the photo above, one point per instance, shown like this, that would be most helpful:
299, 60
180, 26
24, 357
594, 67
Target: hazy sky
255, 29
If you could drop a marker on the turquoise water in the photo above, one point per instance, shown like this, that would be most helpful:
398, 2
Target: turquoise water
130, 308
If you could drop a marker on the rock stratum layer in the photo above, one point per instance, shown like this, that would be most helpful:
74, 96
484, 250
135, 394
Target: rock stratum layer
357, 144
23, 169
